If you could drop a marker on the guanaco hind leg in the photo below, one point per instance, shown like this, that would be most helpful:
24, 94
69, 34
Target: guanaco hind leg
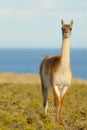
45, 98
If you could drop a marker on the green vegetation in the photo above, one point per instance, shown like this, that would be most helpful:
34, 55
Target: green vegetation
21, 108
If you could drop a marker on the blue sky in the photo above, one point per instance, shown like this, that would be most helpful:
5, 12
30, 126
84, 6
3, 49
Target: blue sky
37, 23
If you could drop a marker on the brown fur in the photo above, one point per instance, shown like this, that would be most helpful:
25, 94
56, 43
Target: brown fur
50, 62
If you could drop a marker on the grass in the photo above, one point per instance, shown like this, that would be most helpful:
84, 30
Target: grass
21, 107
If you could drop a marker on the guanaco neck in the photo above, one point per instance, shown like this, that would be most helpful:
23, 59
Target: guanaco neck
65, 51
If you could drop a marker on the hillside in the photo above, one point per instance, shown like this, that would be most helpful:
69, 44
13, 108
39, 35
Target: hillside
21, 104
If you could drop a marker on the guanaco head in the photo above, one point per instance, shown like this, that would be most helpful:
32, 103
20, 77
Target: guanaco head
66, 29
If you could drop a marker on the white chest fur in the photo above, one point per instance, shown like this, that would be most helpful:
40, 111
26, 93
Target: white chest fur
62, 80
63, 76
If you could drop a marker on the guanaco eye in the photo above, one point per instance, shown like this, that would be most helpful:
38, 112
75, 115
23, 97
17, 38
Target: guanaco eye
62, 29
70, 28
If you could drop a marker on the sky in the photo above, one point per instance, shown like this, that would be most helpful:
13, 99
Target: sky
37, 23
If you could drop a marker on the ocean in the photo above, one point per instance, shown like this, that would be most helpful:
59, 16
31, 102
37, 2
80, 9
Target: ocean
28, 60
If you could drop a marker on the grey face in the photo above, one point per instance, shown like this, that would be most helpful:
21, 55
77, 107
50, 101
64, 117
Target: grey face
66, 29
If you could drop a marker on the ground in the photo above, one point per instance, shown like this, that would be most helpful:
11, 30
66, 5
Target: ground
21, 105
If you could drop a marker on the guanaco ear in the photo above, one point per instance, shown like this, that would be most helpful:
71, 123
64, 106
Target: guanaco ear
71, 23
62, 22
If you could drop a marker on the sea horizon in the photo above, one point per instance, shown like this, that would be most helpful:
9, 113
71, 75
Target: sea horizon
27, 60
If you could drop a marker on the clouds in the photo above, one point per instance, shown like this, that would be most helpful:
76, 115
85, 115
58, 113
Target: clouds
38, 21
17, 14
47, 4
29, 9
5, 13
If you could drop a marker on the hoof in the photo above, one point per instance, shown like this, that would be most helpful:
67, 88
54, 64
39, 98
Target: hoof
61, 123
57, 121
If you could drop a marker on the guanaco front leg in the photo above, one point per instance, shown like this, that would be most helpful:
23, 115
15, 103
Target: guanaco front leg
63, 94
57, 105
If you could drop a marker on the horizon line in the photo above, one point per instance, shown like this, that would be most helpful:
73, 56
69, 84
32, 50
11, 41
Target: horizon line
39, 48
